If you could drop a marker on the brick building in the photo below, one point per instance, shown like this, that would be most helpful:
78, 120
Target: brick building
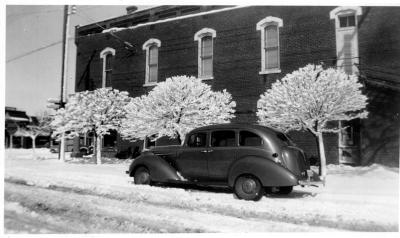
245, 50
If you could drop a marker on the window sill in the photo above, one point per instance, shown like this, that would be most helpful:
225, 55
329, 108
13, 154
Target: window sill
346, 28
270, 71
206, 78
149, 84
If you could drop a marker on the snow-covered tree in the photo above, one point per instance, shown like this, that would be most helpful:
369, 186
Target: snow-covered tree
97, 111
39, 128
175, 107
308, 98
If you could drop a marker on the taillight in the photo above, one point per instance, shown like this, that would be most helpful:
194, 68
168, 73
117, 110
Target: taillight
276, 158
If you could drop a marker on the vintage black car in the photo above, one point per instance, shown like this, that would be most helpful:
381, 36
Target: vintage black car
247, 158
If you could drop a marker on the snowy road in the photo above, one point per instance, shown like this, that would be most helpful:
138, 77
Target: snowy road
46, 196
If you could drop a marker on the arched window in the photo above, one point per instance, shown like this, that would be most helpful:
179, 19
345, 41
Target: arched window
346, 37
107, 56
270, 48
151, 47
204, 37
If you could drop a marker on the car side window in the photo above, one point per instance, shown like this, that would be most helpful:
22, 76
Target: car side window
247, 138
223, 138
197, 140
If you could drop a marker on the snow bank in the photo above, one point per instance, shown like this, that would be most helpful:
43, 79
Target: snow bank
39, 153
355, 198
45, 154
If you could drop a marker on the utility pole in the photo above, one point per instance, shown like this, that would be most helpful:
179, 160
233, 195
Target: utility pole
63, 97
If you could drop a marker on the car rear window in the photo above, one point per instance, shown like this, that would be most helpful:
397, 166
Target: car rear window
284, 138
247, 138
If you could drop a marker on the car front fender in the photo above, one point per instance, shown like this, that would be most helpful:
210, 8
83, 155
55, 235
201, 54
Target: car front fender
160, 170
267, 171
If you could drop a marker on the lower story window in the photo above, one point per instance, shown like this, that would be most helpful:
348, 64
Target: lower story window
110, 140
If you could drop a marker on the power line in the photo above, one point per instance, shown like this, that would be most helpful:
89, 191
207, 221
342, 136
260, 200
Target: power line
43, 47
126, 43
33, 51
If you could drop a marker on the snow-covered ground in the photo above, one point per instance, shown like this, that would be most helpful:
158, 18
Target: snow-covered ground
43, 195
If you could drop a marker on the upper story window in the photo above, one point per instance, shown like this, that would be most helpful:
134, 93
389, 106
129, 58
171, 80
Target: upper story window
270, 47
346, 37
151, 47
347, 21
107, 56
205, 38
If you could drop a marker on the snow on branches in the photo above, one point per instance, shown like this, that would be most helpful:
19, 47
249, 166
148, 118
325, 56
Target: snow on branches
175, 107
310, 97
97, 111
100, 111
39, 128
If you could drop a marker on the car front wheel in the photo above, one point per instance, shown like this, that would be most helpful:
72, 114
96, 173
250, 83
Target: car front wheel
248, 187
142, 176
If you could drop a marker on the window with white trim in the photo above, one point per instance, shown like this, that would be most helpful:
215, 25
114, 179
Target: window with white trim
151, 47
270, 47
205, 38
346, 37
346, 32
107, 56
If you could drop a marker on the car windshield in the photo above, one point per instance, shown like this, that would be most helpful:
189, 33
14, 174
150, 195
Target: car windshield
285, 139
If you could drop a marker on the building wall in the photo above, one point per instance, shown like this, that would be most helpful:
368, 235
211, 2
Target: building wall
307, 36
379, 46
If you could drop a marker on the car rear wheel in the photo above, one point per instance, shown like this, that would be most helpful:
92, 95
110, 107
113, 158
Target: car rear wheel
142, 176
248, 187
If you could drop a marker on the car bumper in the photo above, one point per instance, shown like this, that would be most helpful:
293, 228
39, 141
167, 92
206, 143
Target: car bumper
312, 180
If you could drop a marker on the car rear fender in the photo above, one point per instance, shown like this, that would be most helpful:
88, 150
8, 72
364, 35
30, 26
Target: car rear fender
159, 169
267, 171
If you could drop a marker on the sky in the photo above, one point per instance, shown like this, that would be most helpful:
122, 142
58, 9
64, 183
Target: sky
37, 29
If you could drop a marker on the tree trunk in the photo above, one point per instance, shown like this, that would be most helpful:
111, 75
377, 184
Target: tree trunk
33, 142
98, 149
33, 145
22, 142
11, 141
144, 144
62, 148
322, 158
179, 139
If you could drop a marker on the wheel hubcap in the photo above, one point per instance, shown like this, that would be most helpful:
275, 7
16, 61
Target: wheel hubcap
249, 186
143, 177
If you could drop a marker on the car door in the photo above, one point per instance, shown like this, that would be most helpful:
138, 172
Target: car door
192, 161
221, 153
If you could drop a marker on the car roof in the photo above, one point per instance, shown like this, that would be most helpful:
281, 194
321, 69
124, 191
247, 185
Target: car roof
244, 126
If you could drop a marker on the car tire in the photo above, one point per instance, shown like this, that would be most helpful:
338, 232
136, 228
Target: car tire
142, 176
285, 190
248, 187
